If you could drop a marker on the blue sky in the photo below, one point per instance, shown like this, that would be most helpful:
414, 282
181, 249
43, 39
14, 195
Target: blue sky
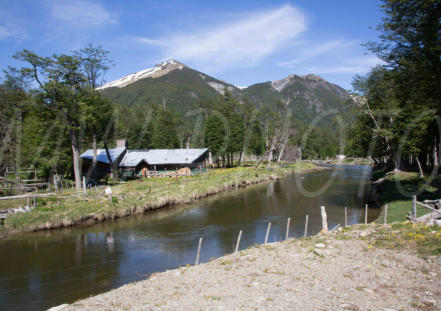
241, 42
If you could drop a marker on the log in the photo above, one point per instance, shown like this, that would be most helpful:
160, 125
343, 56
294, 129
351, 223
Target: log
426, 206
25, 196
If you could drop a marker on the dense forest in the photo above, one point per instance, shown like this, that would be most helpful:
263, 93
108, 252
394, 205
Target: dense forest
400, 101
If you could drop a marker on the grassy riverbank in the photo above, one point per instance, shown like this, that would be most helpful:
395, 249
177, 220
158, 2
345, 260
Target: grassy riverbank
393, 188
139, 196
363, 267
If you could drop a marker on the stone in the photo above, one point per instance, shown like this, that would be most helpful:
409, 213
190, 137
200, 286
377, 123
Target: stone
319, 245
363, 234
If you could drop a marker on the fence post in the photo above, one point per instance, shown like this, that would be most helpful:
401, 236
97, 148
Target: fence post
84, 185
287, 228
198, 253
346, 216
238, 241
385, 214
365, 214
267, 232
324, 219
414, 211
306, 226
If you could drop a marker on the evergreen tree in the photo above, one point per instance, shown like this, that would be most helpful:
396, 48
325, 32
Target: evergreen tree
257, 142
165, 136
214, 135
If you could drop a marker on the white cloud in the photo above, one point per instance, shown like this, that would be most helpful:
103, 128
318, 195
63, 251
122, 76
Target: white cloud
240, 43
317, 50
5, 33
81, 14
355, 65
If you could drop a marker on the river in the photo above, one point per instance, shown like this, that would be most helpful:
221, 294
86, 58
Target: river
42, 269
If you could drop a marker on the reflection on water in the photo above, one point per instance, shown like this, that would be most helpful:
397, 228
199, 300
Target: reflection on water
43, 269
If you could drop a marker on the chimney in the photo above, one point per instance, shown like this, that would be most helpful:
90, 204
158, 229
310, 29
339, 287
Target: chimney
121, 143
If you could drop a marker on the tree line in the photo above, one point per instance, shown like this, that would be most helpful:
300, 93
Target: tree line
400, 100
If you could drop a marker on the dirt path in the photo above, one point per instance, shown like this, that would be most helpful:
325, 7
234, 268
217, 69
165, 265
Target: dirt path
342, 271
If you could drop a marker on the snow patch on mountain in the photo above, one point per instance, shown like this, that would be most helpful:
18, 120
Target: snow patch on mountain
155, 72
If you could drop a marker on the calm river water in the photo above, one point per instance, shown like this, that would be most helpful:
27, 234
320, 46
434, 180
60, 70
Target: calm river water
43, 269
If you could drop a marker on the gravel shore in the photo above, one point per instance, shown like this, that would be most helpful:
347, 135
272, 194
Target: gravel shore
339, 271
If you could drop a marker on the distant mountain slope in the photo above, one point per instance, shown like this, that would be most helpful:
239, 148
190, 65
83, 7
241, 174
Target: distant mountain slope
176, 84
307, 96
182, 87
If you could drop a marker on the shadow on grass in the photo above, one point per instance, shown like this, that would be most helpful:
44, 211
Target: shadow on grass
400, 202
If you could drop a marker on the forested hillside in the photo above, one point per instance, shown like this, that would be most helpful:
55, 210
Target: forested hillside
54, 108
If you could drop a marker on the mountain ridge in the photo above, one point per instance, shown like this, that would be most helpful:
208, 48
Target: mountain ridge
184, 88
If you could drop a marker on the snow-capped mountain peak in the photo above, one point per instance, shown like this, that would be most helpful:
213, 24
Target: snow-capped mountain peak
155, 72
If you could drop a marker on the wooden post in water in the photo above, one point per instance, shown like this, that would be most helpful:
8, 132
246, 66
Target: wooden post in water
385, 214
306, 225
346, 216
267, 232
287, 228
365, 214
414, 211
238, 241
84, 185
324, 219
198, 255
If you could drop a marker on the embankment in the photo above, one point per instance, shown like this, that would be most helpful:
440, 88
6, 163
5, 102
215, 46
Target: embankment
363, 267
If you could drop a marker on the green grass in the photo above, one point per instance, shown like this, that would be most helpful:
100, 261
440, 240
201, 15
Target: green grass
426, 240
399, 203
139, 196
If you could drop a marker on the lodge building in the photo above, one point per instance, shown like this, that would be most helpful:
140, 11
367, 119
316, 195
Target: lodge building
138, 162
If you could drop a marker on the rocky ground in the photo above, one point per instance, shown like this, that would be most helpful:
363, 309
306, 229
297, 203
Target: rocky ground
361, 268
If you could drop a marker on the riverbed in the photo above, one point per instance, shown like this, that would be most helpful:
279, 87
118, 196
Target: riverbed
43, 269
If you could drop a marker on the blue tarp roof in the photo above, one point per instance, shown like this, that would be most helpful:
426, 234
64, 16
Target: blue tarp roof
102, 155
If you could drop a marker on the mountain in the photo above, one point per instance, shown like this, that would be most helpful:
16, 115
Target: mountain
171, 82
181, 88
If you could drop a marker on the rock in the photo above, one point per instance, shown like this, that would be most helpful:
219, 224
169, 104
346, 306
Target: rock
319, 245
321, 252
363, 234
